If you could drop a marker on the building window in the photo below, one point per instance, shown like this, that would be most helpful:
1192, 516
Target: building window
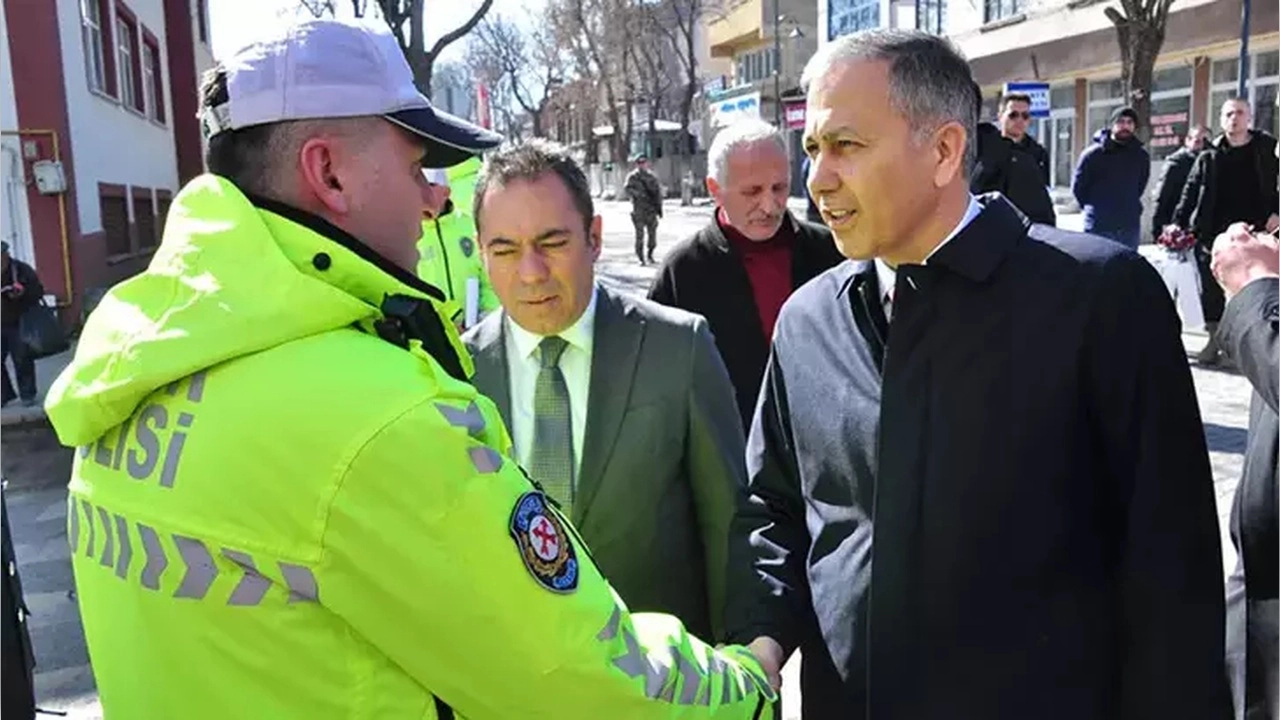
850, 16
91, 24
152, 77
115, 220
129, 62
993, 10
1263, 80
163, 199
931, 16
99, 61
144, 219
754, 66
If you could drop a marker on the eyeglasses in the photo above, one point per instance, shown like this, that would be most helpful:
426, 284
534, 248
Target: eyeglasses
1015, 115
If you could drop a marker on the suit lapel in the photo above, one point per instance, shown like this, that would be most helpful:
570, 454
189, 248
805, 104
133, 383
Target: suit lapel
492, 377
614, 355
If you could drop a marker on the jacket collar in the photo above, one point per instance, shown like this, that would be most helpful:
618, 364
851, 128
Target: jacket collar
716, 235
329, 231
974, 253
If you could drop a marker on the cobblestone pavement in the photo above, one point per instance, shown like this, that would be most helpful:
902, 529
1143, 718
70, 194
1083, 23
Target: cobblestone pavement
37, 471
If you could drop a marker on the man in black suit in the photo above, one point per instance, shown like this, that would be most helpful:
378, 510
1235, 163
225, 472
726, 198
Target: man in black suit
1248, 267
1005, 408
739, 269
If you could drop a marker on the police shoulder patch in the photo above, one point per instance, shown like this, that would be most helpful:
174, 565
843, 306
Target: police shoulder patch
468, 246
544, 544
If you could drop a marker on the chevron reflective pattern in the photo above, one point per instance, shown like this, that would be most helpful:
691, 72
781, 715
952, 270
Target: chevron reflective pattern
184, 567
675, 678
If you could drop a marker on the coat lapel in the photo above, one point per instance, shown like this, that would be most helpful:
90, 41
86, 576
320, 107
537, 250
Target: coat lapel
492, 375
618, 333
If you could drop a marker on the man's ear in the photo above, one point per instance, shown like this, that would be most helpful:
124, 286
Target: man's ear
713, 187
948, 147
319, 174
596, 237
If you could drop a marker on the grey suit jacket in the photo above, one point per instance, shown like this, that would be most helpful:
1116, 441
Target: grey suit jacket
663, 455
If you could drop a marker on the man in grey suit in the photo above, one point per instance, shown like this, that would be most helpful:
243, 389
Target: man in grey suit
621, 409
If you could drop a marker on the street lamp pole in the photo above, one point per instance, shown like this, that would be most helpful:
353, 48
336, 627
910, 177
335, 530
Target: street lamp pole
777, 66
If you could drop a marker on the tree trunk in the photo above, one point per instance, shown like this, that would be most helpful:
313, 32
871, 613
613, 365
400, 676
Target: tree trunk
415, 51
1140, 35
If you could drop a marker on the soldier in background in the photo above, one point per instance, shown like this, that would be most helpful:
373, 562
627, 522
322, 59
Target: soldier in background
645, 192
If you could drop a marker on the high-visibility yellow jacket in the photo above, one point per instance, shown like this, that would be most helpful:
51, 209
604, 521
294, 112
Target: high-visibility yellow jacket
448, 252
288, 502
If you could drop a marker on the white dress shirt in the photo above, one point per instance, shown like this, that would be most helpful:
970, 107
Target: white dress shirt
888, 277
523, 367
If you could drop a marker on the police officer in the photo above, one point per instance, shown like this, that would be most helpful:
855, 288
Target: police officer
288, 500
448, 256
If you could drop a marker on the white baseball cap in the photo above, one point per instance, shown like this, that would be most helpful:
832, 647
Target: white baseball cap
328, 68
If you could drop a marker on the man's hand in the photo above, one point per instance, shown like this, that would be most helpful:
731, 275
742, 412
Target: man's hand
1273, 222
769, 653
1240, 257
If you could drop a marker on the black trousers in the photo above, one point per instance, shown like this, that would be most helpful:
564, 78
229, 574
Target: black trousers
24, 366
1212, 299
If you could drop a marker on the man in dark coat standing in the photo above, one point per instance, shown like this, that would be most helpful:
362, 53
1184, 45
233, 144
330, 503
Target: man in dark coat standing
21, 291
1173, 178
1233, 180
1111, 179
739, 269
1012, 173
1248, 267
977, 458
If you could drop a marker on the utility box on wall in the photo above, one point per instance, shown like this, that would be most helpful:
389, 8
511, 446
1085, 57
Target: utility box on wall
50, 179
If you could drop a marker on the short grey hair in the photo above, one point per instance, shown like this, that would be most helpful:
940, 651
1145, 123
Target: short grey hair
930, 82
742, 134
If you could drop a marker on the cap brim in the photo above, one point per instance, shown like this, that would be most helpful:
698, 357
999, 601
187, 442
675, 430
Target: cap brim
450, 139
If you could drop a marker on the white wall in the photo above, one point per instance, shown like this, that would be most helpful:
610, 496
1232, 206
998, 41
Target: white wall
1046, 20
15, 217
8, 105
204, 60
113, 144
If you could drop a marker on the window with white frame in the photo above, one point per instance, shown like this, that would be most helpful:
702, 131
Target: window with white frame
931, 16
125, 58
850, 16
755, 65
1264, 77
91, 33
993, 10
149, 81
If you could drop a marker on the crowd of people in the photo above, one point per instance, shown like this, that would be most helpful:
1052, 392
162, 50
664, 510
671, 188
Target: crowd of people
418, 462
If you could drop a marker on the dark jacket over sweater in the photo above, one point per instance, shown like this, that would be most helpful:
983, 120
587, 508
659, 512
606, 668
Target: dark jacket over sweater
1027, 453
1249, 333
1200, 208
1110, 180
1173, 178
704, 275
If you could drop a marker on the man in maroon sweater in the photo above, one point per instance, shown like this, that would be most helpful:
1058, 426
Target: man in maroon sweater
739, 270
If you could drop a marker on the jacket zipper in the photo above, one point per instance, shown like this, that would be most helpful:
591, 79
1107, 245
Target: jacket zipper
448, 274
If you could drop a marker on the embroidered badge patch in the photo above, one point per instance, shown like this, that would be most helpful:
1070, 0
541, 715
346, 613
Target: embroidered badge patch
468, 246
544, 544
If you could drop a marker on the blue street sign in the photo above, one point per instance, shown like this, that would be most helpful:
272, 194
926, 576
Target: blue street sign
1039, 92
